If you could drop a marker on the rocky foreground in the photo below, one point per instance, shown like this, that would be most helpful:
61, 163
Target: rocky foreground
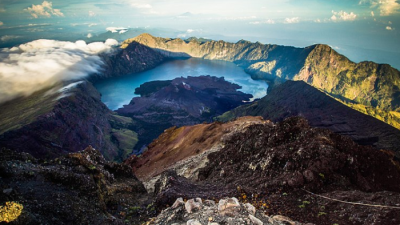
248, 171
226, 211
79, 188
287, 168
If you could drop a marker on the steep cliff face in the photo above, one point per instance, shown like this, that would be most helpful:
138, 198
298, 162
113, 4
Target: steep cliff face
296, 98
270, 62
133, 58
373, 89
65, 120
282, 168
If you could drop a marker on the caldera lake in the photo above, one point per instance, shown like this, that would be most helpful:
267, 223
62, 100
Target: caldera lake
119, 91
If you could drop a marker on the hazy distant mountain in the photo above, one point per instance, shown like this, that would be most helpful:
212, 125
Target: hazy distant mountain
371, 88
123, 34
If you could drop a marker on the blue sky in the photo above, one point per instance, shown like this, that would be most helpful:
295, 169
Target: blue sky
360, 29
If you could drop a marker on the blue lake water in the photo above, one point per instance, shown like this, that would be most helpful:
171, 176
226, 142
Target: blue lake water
117, 92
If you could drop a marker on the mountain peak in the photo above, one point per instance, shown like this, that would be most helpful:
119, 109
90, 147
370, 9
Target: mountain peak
144, 38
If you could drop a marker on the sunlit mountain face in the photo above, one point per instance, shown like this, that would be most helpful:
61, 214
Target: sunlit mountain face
360, 29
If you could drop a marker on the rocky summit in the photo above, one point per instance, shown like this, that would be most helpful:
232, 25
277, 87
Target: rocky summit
227, 211
288, 168
247, 171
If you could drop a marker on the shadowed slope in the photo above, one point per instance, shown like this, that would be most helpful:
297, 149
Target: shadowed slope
296, 98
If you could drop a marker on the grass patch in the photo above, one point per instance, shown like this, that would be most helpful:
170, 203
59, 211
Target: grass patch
19, 112
126, 140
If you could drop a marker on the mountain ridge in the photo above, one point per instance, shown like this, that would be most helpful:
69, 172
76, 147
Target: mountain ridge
297, 98
368, 87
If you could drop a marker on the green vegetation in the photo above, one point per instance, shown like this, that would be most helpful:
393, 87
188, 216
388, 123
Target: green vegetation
122, 135
24, 110
118, 121
91, 167
322, 214
126, 141
305, 203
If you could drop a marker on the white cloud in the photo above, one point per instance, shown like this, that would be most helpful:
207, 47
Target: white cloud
117, 29
141, 6
43, 10
372, 13
386, 7
89, 35
91, 13
1, 23
292, 20
41, 63
185, 15
92, 24
191, 33
343, 16
7, 38
317, 21
269, 21
389, 28
336, 47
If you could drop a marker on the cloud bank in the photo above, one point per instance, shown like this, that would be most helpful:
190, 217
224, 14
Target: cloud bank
343, 16
6, 38
385, 7
292, 20
120, 30
39, 64
269, 21
44, 10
